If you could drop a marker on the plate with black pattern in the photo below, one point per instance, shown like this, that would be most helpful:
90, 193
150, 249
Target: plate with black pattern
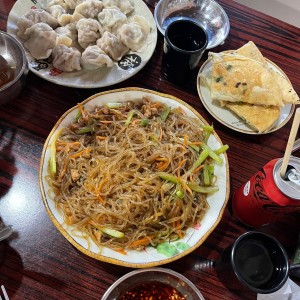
127, 67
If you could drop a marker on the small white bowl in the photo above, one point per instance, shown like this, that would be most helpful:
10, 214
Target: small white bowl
165, 276
208, 13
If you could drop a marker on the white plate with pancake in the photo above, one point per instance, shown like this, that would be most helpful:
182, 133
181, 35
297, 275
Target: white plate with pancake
150, 256
127, 67
227, 117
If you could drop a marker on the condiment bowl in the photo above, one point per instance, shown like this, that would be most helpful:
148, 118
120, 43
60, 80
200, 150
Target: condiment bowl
208, 13
13, 67
169, 279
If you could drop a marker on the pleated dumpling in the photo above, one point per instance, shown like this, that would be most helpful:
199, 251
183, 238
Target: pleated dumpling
88, 32
66, 35
32, 17
125, 6
112, 46
40, 41
134, 34
112, 19
66, 58
89, 8
93, 58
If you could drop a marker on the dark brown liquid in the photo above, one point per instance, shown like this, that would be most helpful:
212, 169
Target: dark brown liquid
153, 290
254, 263
7, 73
187, 42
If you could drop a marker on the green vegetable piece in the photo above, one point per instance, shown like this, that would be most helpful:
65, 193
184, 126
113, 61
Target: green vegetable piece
165, 114
207, 132
222, 149
202, 189
84, 130
112, 232
167, 250
52, 161
203, 155
212, 154
168, 177
144, 122
129, 117
206, 175
179, 194
78, 115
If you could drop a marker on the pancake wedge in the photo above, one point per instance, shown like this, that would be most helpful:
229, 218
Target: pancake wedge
259, 118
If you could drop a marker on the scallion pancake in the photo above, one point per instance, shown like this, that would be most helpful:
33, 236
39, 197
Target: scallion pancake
236, 78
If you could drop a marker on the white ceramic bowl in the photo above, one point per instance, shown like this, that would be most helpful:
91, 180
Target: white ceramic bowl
208, 13
150, 256
165, 276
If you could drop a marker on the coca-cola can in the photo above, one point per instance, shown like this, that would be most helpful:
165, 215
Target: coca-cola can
267, 196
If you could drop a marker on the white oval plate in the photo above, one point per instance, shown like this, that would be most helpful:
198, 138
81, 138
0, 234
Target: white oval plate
130, 64
148, 257
227, 117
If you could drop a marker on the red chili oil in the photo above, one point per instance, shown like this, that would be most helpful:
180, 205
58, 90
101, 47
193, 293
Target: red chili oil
153, 290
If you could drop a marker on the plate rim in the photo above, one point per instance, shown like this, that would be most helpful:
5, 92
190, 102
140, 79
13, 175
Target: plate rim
98, 84
115, 261
252, 132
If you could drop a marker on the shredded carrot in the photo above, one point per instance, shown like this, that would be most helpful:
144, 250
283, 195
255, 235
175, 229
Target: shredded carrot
101, 199
198, 169
101, 185
180, 165
82, 152
163, 163
105, 121
101, 138
179, 232
185, 140
185, 186
141, 242
120, 250
81, 110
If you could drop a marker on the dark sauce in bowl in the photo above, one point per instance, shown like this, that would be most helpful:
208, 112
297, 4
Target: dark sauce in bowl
154, 290
7, 73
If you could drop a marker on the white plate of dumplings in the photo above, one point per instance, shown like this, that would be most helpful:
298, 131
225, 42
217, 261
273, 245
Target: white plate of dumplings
84, 43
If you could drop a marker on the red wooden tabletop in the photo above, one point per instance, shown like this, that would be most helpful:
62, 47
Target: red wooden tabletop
37, 262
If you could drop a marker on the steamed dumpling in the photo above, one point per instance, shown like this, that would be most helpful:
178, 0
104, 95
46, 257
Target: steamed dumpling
132, 36
125, 6
71, 4
66, 58
32, 17
112, 46
66, 35
93, 57
89, 8
56, 11
46, 4
41, 40
88, 32
143, 23
112, 19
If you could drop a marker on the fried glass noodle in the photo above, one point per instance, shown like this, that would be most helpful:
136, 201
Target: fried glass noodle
127, 175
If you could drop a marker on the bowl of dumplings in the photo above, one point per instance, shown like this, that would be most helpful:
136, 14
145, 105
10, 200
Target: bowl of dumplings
84, 43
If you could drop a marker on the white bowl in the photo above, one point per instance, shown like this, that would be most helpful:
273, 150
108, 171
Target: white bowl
208, 13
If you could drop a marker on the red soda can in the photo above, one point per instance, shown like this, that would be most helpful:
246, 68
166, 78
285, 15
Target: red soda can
267, 196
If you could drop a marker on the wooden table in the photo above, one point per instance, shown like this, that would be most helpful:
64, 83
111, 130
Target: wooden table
37, 262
